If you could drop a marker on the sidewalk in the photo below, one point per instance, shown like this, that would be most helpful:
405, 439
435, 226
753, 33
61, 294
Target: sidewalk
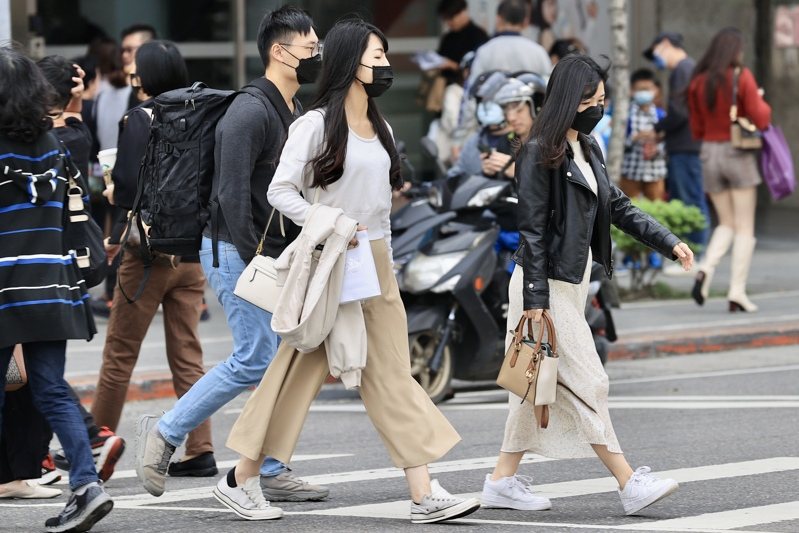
645, 329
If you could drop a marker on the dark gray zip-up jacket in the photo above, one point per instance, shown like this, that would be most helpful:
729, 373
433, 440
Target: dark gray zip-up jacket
249, 139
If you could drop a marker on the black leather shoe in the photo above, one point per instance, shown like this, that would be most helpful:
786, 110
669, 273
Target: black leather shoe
203, 465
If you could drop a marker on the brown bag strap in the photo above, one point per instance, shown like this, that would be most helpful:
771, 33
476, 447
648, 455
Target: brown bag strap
736, 74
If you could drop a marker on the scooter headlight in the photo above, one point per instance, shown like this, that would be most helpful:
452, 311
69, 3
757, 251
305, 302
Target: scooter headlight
423, 271
486, 196
434, 197
447, 286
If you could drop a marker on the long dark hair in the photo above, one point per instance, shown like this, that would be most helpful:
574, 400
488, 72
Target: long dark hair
575, 78
345, 43
160, 67
723, 53
25, 98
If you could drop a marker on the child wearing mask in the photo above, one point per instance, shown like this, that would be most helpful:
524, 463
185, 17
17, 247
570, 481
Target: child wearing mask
644, 166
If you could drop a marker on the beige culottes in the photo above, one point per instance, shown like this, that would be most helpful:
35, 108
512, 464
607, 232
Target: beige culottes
412, 428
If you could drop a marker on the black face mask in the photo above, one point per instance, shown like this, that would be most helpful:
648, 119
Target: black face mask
585, 121
308, 69
382, 78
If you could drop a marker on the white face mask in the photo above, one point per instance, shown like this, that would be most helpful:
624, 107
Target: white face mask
643, 97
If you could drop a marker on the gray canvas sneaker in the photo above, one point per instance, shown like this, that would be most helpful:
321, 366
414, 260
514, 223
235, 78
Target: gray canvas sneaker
153, 453
440, 505
286, 487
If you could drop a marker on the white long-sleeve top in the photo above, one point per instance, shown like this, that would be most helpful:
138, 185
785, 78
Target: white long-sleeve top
363, 192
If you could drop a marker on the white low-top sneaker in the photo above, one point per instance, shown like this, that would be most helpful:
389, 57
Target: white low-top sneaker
514, 492
643, 489
440, 505
246, 501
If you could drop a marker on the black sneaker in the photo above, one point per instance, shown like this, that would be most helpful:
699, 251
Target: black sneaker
81, 512
204, 465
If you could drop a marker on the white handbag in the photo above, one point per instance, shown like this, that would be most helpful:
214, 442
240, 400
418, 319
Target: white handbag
258, 283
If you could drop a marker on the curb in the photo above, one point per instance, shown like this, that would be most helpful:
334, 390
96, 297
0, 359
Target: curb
158, 385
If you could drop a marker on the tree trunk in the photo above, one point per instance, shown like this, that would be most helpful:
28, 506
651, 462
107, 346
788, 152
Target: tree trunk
620, 79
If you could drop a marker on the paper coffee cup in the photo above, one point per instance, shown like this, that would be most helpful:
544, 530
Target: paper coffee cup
107, 159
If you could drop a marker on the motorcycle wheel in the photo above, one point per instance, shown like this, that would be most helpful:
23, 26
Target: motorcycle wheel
423, 347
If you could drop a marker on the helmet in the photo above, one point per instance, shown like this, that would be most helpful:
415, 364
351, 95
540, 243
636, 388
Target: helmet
466, 60
487, 84
514, 91
537, 83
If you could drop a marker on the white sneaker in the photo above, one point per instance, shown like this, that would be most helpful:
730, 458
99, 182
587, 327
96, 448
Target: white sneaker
440, 505
515, 492
643, 489
248, 501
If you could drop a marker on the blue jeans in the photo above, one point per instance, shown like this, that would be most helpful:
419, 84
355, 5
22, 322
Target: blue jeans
44, 363
254, 346
685, 183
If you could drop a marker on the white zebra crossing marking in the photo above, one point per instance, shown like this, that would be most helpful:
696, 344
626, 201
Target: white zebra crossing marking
585, 487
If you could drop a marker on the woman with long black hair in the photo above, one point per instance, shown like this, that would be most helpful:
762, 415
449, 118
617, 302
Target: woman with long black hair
567, 203
730, 176
43, 297
342, 149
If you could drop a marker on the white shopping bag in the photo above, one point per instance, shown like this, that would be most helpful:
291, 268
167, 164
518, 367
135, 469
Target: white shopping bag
360, 274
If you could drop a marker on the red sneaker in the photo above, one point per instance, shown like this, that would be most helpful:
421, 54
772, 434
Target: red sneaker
49, 473
110, 447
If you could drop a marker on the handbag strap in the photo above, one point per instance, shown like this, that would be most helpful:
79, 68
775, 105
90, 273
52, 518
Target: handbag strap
736, 73
547, 326
282, 224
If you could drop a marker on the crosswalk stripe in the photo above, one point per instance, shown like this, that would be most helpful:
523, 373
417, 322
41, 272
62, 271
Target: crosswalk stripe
585, 487
615, 402
128, 474
736, 518
478, 463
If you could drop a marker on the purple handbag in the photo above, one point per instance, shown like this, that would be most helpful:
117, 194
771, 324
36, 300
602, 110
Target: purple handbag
776, 164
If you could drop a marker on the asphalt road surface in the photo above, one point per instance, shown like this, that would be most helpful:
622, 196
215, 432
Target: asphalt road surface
726, 426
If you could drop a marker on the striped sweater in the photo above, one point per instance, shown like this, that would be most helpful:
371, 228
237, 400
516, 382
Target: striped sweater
42, 294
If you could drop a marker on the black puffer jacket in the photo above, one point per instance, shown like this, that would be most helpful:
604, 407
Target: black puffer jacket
560, 217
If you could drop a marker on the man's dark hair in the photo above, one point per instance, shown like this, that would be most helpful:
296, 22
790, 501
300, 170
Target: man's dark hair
449, 8
160, 67
58, 71
140, 28
513, 11
277, 27
643, 74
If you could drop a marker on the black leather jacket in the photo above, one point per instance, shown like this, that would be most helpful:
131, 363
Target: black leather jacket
560, 217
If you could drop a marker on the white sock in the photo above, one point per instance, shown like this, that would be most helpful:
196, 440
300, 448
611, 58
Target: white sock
80, 490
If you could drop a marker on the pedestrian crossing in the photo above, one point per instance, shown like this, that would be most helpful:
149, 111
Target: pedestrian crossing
189, 500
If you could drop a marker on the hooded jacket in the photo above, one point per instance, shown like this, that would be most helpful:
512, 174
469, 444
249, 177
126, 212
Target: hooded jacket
308, 312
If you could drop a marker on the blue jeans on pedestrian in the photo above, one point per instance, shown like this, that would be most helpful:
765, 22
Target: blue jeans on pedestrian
44, 363
685, 183
254, 346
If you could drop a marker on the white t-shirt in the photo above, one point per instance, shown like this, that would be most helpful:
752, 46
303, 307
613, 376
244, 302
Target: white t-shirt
363, 192
584, 165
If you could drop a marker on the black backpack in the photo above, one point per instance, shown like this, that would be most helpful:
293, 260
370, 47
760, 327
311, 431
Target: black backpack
174, 185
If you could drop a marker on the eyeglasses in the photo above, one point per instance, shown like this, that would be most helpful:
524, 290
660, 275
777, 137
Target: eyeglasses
315, 49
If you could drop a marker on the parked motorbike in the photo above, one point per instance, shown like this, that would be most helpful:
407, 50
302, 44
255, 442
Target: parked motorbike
455, 323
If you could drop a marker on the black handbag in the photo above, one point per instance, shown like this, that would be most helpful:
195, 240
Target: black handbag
82, 236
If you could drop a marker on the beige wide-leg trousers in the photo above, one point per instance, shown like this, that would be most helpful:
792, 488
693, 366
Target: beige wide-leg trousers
412, 428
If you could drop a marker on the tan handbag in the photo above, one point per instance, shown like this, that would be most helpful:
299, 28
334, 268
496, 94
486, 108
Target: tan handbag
743, 134
258, 282
16, 377
530, 368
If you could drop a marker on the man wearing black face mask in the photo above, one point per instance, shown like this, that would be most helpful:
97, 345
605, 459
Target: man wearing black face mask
249, 139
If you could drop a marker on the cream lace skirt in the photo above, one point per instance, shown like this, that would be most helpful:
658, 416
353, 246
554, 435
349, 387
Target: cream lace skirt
579, 417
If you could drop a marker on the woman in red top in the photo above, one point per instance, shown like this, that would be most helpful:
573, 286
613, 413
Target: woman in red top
730, 175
